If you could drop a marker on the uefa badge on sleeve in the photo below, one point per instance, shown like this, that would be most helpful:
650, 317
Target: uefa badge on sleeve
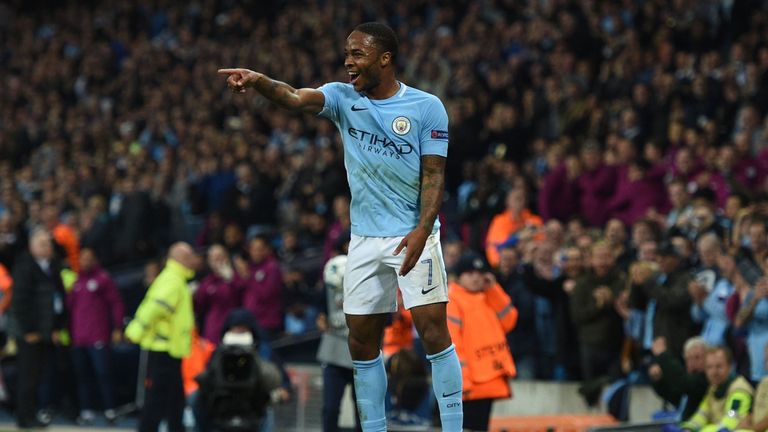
401, 125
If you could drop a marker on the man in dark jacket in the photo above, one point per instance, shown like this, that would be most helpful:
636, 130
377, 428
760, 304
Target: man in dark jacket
598, 324
554, 292
522, 339
35, 316
665, 299
682, 386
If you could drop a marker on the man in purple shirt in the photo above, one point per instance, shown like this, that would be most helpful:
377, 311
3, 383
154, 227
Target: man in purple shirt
637, 192
219, 293
597, 184
96, 318
263, 287
559, 196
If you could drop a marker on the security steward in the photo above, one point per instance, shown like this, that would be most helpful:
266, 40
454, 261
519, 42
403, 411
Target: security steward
163, 326
480, 314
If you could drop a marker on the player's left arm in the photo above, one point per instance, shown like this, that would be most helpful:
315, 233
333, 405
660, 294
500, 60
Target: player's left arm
432, 186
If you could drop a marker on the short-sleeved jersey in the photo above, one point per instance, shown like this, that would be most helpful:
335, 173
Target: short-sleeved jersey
384, 140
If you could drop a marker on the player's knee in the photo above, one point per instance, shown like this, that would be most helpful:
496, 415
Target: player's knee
434, 334
362, 348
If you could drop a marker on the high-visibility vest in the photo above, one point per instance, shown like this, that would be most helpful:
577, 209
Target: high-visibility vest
6, 284
164, 320
194, 364
478, 323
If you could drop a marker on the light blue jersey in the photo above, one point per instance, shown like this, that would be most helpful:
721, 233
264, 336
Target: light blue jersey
384, 140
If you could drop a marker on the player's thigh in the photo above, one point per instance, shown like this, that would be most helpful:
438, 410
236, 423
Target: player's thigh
427, 282
370, 287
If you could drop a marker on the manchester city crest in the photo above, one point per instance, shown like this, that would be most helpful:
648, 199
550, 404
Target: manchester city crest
401, 125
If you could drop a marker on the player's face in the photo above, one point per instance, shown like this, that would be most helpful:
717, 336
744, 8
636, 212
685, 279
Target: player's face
363, 61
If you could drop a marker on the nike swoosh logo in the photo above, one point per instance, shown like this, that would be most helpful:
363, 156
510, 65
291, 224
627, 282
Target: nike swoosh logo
423, 291
451, 394
357, 108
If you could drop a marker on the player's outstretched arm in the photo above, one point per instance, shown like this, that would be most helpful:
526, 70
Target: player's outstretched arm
305, 99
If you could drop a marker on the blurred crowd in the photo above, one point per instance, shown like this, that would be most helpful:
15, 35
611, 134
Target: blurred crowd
608, 158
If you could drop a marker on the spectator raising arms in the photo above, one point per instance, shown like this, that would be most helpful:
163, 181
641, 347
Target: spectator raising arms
681, 385
219, 292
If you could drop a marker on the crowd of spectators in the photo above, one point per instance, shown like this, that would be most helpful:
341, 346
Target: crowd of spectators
609, 157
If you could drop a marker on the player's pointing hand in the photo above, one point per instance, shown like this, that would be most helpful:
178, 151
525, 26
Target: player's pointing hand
239, 79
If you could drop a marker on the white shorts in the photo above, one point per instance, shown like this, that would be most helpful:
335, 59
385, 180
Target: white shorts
371, 279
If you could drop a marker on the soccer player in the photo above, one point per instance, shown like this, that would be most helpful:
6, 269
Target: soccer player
395, 146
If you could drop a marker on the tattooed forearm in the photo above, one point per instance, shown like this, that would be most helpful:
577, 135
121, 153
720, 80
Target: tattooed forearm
432, 186
278, 92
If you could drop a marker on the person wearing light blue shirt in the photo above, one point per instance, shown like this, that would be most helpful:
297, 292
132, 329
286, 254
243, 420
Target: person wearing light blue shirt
382, 160
754, 315
711, 314
714, 281
395, 147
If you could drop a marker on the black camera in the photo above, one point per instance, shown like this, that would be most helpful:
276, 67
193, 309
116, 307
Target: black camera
233, 392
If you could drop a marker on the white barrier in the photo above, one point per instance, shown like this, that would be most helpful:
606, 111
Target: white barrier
531, 398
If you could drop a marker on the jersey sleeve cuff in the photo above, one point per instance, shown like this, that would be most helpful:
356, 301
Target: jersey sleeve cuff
434, 148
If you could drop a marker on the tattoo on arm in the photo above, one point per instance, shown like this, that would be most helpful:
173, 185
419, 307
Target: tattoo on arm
432, 186
278, 92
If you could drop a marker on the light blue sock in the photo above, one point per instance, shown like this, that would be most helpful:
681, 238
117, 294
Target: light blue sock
370, 389
446, 382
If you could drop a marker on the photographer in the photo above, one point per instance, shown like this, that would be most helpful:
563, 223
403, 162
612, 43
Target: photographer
239, 383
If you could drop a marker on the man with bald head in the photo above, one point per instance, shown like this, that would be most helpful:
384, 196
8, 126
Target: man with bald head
163, 326
35, 315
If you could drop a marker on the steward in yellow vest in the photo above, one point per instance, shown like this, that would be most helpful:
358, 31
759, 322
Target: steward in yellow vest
163, 326
728, 399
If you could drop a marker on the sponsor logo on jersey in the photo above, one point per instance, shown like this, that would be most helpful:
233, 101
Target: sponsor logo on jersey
438, 134
373, 143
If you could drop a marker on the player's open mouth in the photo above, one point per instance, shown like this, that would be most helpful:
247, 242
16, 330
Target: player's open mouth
353, 77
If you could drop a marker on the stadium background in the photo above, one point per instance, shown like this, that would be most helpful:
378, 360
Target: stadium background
114, 124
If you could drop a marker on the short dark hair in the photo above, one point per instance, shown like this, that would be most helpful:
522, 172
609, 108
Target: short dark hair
383, 35
262, 238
